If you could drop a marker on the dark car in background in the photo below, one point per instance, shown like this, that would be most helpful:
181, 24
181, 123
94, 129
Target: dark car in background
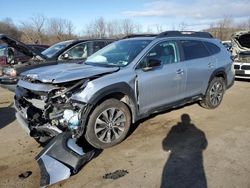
70, 51
11, 56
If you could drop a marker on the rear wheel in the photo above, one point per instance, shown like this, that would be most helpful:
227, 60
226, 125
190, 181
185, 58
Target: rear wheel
108, 124
214, 93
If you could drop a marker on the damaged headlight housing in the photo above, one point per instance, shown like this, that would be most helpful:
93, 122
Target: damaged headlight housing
71, 118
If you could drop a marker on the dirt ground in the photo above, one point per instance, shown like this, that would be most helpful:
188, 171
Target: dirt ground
212, 150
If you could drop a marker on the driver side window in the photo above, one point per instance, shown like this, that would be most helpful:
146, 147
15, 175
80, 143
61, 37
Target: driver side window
79, 51
165, 52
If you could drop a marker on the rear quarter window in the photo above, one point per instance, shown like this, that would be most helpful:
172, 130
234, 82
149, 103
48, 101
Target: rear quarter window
212, 48
194, 49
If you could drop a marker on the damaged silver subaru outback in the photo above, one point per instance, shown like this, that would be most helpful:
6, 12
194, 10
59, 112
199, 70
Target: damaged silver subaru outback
122, 83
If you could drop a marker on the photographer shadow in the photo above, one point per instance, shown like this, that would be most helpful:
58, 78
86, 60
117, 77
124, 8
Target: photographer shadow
184, 167
7, 116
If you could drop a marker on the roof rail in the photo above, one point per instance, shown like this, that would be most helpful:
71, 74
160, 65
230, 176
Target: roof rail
139, 35
185, 34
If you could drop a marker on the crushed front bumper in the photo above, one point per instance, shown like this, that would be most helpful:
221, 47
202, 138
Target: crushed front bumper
61, 158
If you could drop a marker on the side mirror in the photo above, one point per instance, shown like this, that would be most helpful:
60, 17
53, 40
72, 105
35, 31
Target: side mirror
151, 64
65, 56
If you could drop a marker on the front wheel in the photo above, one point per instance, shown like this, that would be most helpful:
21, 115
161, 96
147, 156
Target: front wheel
108, 124
214, 93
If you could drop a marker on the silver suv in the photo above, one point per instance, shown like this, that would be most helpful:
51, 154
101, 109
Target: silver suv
122, 83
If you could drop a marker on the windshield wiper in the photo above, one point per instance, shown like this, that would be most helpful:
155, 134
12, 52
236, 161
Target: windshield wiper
102, 64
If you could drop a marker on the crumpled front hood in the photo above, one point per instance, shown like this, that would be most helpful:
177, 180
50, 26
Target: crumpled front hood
66, 72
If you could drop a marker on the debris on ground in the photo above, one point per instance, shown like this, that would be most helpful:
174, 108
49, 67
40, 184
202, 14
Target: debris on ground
115, 175
24, 175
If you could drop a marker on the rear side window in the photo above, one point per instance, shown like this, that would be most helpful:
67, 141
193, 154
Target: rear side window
213, 49
193, 49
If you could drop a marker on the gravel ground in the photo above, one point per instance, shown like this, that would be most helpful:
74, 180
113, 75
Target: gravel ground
204, 148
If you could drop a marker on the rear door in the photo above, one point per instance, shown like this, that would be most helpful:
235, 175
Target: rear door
200, 66
164, 84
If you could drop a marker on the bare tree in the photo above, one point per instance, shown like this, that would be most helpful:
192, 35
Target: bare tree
159, 28
116, 28
149, 29
100, 27
8, 27
34, 29
60, 29
97, 28
183, 26
223, 29
127, 27
111, 29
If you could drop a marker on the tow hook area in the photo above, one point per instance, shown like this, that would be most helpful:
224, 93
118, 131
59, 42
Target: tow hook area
61, 158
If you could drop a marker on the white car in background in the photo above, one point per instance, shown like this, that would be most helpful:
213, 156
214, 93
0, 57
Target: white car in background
241, 52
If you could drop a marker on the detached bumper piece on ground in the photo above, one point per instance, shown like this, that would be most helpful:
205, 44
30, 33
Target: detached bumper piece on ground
61, 158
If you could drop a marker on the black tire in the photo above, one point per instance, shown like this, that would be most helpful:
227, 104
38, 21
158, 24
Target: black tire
211, 101
109, 120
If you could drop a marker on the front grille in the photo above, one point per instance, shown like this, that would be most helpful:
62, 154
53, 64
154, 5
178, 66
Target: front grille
236, 66
245, 67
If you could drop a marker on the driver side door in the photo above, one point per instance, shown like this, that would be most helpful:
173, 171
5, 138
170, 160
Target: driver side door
162, 85
76, 53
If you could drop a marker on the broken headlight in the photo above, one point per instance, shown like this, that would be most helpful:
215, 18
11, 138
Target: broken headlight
71, 118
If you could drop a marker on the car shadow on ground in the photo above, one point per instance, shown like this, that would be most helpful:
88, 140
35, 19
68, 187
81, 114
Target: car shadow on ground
7, 115
184, 167
134, 126
242, 80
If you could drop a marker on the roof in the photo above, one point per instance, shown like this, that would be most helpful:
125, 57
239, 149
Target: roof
198, 34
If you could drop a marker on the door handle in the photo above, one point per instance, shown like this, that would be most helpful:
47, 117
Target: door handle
180, 71
210, 65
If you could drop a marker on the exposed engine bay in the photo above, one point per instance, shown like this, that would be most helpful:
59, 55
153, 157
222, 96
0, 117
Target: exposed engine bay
48, 110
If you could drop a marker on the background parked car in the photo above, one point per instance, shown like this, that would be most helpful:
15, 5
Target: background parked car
11, 56
241, 53
70, 51
227, 44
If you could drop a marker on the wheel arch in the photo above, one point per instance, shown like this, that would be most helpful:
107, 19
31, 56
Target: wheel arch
220, 72
120, 91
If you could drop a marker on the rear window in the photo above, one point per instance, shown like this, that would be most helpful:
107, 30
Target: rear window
194, 49
213, 49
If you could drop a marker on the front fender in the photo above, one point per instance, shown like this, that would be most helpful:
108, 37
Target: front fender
102, 93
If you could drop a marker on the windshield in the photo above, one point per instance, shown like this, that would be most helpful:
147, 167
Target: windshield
51, 51
119, 53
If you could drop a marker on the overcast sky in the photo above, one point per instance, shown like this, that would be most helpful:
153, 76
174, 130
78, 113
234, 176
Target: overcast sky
197, 14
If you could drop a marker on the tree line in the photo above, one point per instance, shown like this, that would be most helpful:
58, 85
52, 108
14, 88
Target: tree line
42, 30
